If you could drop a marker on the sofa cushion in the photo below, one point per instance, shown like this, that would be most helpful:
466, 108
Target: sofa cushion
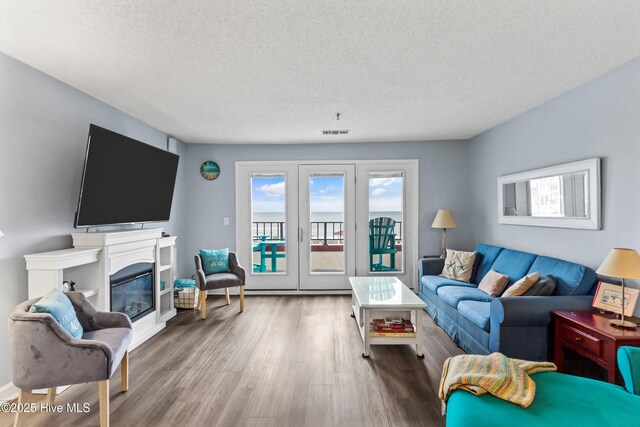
434, 282
487, 255
117, 339
222, 280
571, 278
452, 295
514, 264
476, 311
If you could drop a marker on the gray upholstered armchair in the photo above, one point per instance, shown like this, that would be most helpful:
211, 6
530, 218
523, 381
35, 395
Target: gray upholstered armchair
225, 280
44, 355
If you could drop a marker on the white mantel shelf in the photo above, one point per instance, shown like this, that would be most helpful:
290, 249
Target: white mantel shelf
110, 238
65, 258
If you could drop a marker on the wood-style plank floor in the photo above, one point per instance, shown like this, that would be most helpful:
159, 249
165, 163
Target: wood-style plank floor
285, 361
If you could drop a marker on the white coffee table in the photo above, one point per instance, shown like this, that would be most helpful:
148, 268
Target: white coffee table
384, 297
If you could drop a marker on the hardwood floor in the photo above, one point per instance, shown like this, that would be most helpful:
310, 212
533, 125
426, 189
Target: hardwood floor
285, 361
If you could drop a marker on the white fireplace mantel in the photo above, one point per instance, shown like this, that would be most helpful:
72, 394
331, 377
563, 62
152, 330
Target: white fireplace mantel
96, 256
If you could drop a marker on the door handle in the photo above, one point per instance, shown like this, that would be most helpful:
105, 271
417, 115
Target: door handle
301, 234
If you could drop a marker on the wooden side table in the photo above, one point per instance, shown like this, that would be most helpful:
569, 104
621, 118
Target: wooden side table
589, 334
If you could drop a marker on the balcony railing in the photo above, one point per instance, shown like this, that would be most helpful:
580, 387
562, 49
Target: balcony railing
322, 232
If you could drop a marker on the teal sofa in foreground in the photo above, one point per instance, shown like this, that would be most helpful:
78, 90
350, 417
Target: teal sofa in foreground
561, 400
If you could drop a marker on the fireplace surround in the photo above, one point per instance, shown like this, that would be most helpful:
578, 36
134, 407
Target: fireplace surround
132, 290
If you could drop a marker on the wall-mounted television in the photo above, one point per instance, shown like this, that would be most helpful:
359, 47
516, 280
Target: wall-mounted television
124, 181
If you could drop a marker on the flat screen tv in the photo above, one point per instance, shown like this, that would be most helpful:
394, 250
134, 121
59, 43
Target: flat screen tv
124, 181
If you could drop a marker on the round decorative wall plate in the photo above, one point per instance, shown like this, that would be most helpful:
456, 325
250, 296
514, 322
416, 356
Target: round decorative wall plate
210, 170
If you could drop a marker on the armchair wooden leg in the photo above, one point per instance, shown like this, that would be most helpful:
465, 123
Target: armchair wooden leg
124, 371
241, 298
203, 307
103, 400
226, 295
199, 301
25, 396
51, 395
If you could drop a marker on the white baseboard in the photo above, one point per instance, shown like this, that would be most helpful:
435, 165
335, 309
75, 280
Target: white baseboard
8, 392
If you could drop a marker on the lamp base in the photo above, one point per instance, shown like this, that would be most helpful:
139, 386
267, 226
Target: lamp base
623, 323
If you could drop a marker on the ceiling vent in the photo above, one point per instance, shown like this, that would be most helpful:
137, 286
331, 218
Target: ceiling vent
335, 132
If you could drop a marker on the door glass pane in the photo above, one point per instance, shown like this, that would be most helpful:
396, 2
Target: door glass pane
268, 223
326, 223
385, 221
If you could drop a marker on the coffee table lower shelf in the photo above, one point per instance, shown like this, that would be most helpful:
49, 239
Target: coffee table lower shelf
364, 316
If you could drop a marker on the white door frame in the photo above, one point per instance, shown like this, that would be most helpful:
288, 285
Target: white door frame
281, 282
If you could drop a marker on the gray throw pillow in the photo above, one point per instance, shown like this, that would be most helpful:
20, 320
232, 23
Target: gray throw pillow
543, 287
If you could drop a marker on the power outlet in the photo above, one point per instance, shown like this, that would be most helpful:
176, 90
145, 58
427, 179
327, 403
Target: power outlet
226, 220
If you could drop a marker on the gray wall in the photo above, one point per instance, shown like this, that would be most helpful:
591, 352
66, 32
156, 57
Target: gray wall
43, 136
443, 184
598, 119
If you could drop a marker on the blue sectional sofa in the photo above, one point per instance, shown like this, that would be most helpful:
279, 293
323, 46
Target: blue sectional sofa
515, 326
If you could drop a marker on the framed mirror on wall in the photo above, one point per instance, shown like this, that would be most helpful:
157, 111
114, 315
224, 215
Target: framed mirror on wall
565, 196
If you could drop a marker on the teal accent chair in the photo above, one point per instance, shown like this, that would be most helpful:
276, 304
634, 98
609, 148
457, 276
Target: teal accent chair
268, 251
382, 241
561, 400
259, 247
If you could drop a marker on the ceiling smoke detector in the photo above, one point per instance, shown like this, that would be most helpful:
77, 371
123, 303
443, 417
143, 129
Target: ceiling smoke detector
335, 132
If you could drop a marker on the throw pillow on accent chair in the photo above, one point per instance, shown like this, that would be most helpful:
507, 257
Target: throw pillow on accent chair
215, 261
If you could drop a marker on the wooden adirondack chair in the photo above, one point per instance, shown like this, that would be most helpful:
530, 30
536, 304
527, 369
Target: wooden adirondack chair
382, 241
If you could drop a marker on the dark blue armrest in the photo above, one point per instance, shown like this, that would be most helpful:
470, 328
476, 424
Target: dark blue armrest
533, 311
430, 266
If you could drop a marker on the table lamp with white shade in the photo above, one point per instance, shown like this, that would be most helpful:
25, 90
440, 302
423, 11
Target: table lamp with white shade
444, 219
621, 263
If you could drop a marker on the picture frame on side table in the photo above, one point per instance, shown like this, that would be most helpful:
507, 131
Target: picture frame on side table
608, 297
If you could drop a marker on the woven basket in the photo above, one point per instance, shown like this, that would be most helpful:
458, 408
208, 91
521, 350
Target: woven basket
186, 298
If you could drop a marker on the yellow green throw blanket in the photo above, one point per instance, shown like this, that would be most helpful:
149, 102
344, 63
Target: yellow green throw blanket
505, 378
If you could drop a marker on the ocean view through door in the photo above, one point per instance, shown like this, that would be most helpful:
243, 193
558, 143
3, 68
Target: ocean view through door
309, 227
327, 226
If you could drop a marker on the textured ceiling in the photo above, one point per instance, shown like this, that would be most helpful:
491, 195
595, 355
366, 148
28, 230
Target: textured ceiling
241, 71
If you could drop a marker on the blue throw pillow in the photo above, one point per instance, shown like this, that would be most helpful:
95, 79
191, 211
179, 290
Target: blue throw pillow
59, 306
215, 261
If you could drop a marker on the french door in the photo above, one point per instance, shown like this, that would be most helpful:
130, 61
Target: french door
327, 221
309, 226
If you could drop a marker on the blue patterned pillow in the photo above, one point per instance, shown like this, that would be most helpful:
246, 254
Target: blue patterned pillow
215, 261
57, 304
